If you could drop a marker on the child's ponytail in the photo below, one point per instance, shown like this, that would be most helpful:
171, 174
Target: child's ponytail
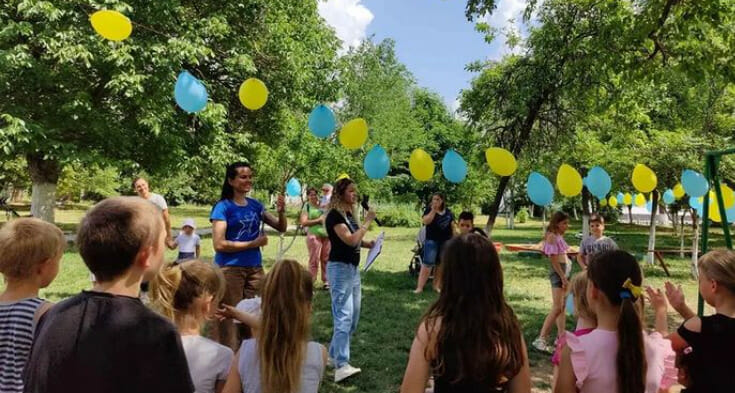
163, 290
618, 276
175, 287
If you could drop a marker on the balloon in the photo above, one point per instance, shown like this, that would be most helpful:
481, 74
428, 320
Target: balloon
343, 176
322, 122
649, 206
679, 191
354, 134
639, 199
454, 167
377, 163
694, 183
189, 93
539, 189
730, 214
501, 161
621, 198
695, 203
253, 94
568, 181
570, 304
627, 199
613, 201
669, 197
421, 165
643, 178
111, 25
293, 187
728, 196
598, 182
603, 202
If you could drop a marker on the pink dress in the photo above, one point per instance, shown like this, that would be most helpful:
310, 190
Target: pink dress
556, 357
593, 360
556, 247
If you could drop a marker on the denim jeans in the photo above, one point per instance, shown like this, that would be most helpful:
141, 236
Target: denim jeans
344, 287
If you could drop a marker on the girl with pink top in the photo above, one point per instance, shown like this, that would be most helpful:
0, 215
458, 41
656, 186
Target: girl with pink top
556, 249
616, 357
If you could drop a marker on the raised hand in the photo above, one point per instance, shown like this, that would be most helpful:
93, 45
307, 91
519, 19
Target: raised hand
675, 295
657, 299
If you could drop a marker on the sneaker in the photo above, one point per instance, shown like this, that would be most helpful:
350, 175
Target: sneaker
541, 345
345, 372
330, 362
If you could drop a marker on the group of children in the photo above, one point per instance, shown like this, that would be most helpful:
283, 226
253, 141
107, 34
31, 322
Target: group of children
469, 339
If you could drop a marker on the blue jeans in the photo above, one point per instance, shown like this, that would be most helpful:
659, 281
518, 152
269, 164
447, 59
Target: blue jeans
344, 287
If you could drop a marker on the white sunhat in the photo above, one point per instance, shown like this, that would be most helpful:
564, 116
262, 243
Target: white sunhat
189, 222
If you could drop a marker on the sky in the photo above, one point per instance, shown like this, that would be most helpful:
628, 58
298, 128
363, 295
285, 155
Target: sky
433, 37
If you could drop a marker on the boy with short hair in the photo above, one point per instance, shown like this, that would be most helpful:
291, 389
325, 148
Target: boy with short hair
106, 340
596, 242
30, 251
467, 224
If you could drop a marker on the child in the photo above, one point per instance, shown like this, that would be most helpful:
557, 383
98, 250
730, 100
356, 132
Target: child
188, 294
188, 242
30, 251
469, 339
555, 248
616, 357
106, 340
595, 242
467, 224
711, 339
586, 319
281, 358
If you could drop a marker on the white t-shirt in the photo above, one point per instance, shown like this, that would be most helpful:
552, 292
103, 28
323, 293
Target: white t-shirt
187, 243
208, 361
158, 201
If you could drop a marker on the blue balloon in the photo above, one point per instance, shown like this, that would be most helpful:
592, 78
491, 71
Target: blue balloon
190, 93
649, 206
293, 187
454, 167
694, 183
322, 122
695, 204
669, 197
570, 304
539, 189
730, 213
377, 163
598, 182
621, 198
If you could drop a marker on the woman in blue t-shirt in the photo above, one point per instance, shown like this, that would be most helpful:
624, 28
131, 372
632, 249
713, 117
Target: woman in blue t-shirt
237, 238
440, 227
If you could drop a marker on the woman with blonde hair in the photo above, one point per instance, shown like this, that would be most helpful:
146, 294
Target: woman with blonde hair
281, 359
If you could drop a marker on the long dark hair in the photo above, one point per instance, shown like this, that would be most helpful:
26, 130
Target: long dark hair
440, 195
231, 172
609, 271
478, 332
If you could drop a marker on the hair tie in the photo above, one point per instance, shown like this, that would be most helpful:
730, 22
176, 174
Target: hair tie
631, 290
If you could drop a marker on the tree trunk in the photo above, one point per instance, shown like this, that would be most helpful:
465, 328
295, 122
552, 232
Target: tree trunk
44, 175
511, 212
630, 214
585, 212
681, 235
652, 227
495, 206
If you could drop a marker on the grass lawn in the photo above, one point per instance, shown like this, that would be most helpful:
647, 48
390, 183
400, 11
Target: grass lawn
391, 312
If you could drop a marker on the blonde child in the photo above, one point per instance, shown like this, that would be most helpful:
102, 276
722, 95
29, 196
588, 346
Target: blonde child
617, 356
555, 248
30, 251
188, 242
281, 359
188, 294
709, 342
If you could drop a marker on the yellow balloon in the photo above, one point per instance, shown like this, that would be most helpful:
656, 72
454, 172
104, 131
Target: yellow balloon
612, 201
603, 202
679, 191
714, 212
627, 199
643, 178
354, 134
640, 200
111, 25
728, 196
501, 161
421, 165
253, 94
568, 181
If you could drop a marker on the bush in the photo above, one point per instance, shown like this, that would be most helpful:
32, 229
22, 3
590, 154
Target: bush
398, 215
522, 215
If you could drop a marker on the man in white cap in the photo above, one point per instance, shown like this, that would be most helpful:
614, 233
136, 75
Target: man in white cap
326, 195
187, 241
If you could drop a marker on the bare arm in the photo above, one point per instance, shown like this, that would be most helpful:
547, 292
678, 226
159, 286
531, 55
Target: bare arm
198, 251
521, 382
233, 383
567, 382
429, 217
167, 222
353, 239
306, 222
418, 368
278, 223
676, 297
221, 244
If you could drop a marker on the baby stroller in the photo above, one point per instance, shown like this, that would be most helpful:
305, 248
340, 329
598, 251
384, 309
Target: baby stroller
414, 265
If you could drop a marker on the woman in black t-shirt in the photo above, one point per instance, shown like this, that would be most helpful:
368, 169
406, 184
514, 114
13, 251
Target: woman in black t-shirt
346, 237
440, 227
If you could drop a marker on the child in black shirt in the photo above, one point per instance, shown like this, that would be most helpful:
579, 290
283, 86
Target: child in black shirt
106, 340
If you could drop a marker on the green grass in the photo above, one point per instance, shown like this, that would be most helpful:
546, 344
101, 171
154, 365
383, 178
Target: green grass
391, 312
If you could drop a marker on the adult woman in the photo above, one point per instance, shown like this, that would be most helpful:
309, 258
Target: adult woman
140, 185
469, 339
317, 241
440, 227
237, 239
346, 237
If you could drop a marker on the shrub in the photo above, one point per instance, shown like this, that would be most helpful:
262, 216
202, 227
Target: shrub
398, 215
522, 215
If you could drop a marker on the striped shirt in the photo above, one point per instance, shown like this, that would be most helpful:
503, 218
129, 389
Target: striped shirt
17, 323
